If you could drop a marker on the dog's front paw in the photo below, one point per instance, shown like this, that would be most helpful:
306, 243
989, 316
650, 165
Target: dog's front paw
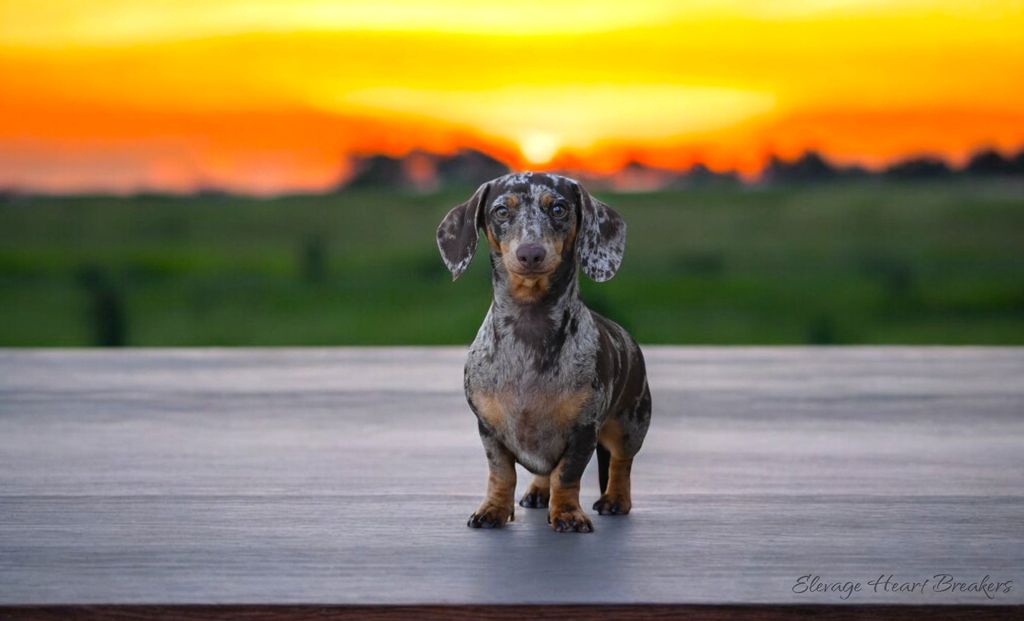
491, 515
610, 504
570, 520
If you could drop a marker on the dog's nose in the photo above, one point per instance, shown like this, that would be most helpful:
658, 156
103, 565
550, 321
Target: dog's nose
531, 255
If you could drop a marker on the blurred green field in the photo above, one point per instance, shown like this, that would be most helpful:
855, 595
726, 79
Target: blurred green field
868, 261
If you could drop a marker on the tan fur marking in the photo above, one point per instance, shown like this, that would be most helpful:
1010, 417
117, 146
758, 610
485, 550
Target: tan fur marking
555, 247
618, 481
498, 504
619, 466
490, 239
564, 504
526, 289
610, 436
501, 487
541, 482
560, 244
563, 409
567, 409
564, 496
490, 409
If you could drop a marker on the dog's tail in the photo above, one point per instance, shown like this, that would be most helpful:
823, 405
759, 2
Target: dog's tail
603, 457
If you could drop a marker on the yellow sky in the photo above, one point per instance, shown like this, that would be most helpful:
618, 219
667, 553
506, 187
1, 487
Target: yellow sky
273, 95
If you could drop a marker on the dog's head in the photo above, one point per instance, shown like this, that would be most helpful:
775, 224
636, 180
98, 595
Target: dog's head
534, 223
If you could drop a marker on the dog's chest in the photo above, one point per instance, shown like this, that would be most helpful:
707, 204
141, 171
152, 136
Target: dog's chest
531, 421
531, 407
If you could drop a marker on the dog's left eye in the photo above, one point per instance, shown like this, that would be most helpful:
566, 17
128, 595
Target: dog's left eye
558, 210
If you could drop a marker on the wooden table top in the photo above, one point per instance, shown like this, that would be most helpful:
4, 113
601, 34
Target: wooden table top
345, 476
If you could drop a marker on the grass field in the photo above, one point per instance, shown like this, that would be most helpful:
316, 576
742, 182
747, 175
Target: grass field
866, 261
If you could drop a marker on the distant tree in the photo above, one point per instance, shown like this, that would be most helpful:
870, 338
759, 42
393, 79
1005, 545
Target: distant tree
107, 316
822, 330
469, 167
419, 170
639, 177
157, 195
594, 182
12, 197
378, 171
854, 171
313, 259
918, 168
423, 171
989, 162
210, 191
701, 175
810, 166
1017, 163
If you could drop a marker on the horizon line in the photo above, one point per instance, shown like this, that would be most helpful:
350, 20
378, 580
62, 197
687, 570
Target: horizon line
943, 167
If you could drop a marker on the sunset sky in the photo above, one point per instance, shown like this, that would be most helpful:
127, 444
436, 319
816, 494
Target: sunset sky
265, 96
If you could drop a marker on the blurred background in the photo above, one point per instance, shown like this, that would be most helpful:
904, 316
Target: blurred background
178, 172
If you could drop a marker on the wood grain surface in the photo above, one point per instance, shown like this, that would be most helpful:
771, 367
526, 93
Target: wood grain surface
345, 477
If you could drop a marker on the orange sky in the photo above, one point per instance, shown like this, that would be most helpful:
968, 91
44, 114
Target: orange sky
264, 96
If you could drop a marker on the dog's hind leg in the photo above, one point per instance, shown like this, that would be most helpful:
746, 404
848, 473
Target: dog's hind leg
539, 493
621, 436
616, 498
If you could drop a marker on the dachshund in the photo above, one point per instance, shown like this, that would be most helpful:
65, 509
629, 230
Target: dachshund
549, 380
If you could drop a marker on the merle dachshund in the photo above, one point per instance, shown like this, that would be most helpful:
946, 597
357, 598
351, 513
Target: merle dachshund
549, 379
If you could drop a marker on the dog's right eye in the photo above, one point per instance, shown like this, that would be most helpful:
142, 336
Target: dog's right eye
501, 213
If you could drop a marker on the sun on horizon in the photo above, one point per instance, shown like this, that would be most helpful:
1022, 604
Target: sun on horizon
268, 96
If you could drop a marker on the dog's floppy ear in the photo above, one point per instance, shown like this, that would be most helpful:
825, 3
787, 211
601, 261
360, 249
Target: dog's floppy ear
601, 239
458, 233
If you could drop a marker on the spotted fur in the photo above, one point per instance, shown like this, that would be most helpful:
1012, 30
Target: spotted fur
602, 240
548, 379
459, 231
